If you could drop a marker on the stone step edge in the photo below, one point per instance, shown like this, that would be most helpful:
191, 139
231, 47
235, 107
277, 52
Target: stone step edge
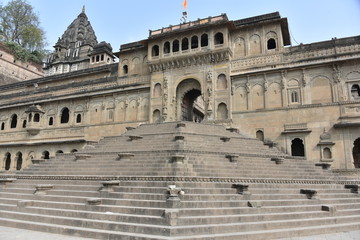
181, 179
69, 230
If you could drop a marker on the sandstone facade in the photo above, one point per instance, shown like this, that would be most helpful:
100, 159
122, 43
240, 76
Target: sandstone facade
304, 99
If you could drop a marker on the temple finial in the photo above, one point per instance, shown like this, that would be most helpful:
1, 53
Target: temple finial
83, 9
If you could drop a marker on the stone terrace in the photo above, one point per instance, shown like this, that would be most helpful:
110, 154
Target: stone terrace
179, 180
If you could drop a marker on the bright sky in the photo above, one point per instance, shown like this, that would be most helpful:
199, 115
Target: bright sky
123, 21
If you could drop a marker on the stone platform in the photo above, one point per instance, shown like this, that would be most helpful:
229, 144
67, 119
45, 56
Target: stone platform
179, 180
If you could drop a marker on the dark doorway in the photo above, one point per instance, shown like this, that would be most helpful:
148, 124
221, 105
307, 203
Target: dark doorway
64, 116
297, 147
7, 161
46, 155
356, 153
192, 106
19, 161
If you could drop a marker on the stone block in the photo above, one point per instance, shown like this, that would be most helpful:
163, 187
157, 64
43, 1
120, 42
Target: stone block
310, 193
173, 199
328, 208
108, 186
177, 158
171, 216
225, 139
254, 204
38, 160
324, 166
42, 189
278, 160
125, 156
93, 201
134, 137
180, 125
354, 188
232, 157
81, 156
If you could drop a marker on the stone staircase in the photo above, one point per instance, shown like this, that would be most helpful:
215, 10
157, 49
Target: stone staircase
179, 180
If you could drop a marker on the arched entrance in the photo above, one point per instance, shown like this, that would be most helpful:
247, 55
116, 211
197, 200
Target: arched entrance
191, 105
297, 147
356, 153
7, 161
19, 161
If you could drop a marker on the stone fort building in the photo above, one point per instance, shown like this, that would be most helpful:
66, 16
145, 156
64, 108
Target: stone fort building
304, 99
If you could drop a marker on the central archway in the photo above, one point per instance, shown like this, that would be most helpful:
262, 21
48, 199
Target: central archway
190, 101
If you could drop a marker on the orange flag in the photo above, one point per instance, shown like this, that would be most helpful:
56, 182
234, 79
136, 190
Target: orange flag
185, 4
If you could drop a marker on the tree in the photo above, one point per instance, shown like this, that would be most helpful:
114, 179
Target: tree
21, 25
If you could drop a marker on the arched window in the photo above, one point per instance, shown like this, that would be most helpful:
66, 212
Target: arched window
155, 51
176, 45
157, 90
24, 124
204, 40
19, 161
36, 117
125, 69
327, 153
222, 112
260, 135
166, 47
13, 123
156, 116
45, 155
64, 116
221, 82
194, 42
78, 118
355, 91
271, 44
297, 147
7, 161
294, 96
2, 126
51, 121
184, 44
74, 151
219, 38
59, 151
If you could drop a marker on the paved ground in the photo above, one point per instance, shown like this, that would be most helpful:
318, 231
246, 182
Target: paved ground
7, 233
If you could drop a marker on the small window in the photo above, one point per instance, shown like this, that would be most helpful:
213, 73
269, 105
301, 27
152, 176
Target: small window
36, 117
24, 124
59, 151
155, 51
2, 126
294, 97
260, 135
166, 48
125, 69
175, 46
78, 118
184, 44
51, 121
327, 153
355, 91
219, 38
271, 44
45, 155
97, 58
64, 116
157, 90
13, 123
93, 59
111, 115
102, 57
194, 42
74, 151
204, 40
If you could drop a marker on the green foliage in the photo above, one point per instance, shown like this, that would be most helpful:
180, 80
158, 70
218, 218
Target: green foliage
25, 54
21, 25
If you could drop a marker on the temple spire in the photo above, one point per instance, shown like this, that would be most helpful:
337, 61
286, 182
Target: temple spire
83, 9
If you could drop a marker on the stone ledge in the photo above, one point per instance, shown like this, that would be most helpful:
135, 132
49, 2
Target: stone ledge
182, 179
